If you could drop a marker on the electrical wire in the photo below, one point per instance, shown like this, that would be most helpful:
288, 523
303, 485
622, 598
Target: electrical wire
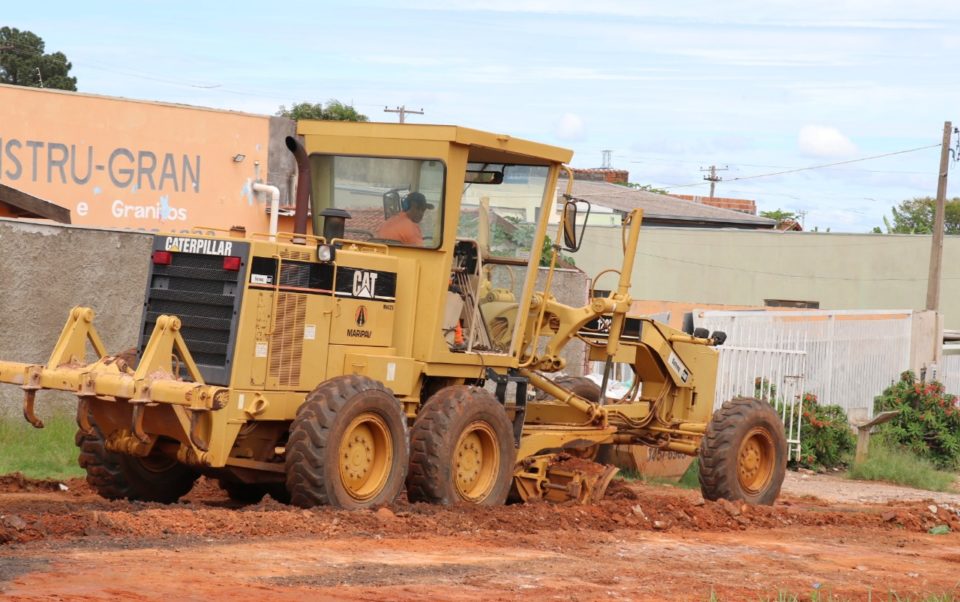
812, 167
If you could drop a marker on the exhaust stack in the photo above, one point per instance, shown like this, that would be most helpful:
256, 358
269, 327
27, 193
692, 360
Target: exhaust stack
304, 186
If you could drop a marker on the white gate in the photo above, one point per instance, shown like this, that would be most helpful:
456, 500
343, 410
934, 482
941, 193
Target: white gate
761, 361
852, 355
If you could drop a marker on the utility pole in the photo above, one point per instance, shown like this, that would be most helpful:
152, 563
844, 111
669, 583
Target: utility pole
801, 214
936, 244
403, 110
607, 161
713, 178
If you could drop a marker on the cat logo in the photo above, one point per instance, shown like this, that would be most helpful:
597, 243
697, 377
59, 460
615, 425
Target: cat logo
361, 316
364, 284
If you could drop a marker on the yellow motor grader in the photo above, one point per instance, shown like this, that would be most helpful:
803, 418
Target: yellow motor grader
403, 344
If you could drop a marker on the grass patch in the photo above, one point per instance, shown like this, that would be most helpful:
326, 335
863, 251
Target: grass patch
689, 480
47, 453
893, 464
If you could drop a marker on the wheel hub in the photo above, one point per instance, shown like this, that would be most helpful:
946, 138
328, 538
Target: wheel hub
476, 461
366, 453
469, 461
755, 460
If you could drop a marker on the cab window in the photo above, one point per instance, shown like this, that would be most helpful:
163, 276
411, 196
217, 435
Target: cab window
390, 200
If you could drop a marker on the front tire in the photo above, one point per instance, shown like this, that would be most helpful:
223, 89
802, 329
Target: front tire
461, 449
743, 455
347, 446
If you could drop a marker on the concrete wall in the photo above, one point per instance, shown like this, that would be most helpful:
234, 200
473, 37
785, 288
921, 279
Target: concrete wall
45, 270
741, 267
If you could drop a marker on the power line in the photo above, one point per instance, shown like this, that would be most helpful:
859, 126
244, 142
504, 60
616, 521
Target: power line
822, 166
739, 165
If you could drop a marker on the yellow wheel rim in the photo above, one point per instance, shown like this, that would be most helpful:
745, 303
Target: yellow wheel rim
476, 461
755, 460
366, 455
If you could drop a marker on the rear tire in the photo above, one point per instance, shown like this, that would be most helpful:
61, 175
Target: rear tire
347, 446
114, 476
461, 449
743, 455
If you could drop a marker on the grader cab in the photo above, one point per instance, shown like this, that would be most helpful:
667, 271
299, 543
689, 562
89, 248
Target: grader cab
404, 344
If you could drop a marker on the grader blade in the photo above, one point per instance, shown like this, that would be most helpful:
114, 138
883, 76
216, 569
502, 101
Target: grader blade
562, 478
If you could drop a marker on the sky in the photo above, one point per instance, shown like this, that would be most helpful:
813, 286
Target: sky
754, 87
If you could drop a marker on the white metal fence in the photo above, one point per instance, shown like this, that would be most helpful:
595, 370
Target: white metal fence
851, 356
950, 370
775, 374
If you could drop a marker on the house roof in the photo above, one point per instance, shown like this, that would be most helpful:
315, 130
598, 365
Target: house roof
663, 209
20, 204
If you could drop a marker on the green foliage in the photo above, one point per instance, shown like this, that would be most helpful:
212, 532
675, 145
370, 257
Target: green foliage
644, 187
825, 436
779, 215
334, 110
892, 463
928, 423
24, 63
48, 453
691, 478
916, 216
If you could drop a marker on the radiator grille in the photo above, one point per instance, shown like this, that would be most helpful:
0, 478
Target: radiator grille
286, 344
205, 297
295, 254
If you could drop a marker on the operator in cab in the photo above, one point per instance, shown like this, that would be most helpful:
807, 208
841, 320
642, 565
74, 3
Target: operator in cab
404, 227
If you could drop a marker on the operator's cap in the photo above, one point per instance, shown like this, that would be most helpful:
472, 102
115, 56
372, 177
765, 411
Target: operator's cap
419, 199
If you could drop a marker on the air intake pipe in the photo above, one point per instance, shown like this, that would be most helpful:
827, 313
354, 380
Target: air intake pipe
304, 186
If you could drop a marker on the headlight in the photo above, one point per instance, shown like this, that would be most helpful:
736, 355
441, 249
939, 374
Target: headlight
326, 253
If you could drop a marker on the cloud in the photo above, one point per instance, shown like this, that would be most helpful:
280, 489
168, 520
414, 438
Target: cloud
822, 141
570, 127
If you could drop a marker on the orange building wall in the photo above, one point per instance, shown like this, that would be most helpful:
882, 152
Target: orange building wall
741, 205
602, 174
133, 164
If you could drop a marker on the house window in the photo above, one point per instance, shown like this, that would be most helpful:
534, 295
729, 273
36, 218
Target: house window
791, 303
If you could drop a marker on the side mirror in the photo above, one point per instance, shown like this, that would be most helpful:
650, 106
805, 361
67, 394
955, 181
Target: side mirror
571, 238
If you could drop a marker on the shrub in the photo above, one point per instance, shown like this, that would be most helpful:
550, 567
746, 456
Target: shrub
929, 420
825, 435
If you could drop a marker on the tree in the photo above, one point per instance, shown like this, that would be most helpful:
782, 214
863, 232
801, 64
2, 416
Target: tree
916, 216
333, 111
780, 216
23, 62
645, 187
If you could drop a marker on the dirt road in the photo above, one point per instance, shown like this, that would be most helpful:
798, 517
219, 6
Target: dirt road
641, 543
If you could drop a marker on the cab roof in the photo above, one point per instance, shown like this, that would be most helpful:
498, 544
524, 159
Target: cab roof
479, 141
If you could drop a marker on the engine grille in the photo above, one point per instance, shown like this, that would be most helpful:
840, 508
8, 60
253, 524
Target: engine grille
206, 298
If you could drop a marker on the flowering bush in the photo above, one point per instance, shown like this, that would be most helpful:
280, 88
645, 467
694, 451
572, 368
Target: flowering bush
825, 435
929, 419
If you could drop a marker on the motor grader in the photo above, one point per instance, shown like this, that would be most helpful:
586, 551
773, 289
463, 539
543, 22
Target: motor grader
339, 367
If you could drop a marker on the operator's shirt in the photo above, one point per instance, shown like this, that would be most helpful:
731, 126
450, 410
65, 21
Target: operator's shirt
401, 228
